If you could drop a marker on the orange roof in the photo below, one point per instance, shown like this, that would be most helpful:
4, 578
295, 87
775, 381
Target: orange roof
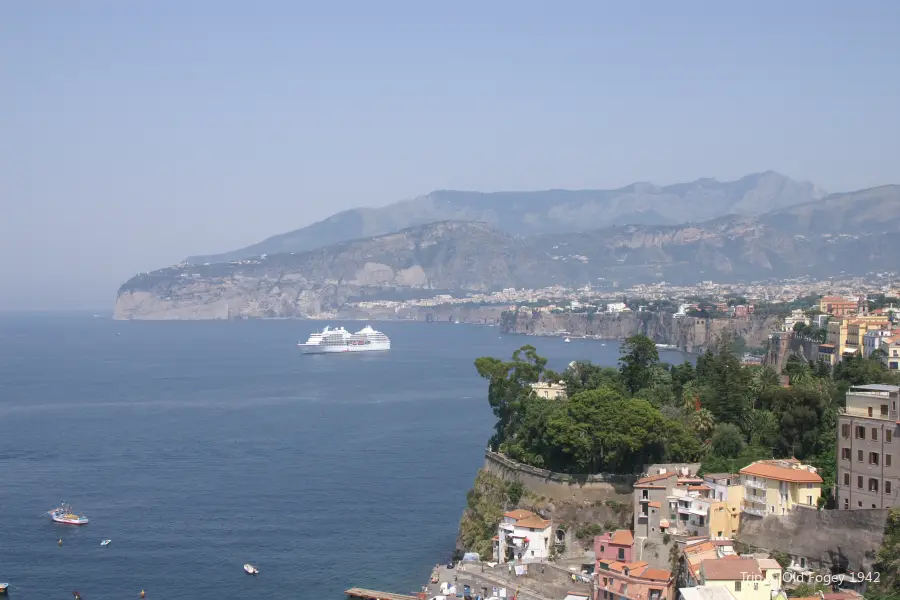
622, 537
698, 548
533, 522
768, 470
696, 488
652, 478
519, 513
663, 522
655, 505
656, 574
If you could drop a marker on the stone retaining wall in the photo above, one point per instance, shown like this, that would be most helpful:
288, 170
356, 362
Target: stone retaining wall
844, 538
560, 486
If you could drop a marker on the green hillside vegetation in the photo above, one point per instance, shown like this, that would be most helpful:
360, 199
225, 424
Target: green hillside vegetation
719, 412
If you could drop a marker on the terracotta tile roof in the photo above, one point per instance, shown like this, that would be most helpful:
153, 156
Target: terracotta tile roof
622, 537
533, 522
725, 569
655, 505
718, 476
663, 522
656, 575
519, 513
652, 478
698, 548
768, 470
698, 488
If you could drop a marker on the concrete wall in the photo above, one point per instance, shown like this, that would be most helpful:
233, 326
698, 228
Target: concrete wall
558, 486
848, 539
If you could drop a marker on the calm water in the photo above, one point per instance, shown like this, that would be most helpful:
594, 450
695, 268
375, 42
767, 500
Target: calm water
197, 447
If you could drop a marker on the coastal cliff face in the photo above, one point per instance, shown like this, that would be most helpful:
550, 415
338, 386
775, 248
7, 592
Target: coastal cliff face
688, 333
440, 256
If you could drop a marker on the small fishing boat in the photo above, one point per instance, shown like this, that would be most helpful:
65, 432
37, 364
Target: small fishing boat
567, 340
105, 542
4, 587
66, 515
250, 569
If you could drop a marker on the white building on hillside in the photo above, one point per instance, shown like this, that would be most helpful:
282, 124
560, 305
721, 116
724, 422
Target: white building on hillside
522, 536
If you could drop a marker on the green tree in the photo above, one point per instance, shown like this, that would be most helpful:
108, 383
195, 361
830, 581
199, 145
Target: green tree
690, 395
887, 561
638, 356
584, 375
509, 383
704, 422
728, 441
761, 427
726, 381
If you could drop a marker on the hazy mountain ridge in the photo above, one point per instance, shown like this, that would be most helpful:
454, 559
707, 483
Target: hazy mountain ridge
475, 257
548, 211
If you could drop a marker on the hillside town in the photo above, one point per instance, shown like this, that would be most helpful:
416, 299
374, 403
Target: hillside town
760, 532
736, 524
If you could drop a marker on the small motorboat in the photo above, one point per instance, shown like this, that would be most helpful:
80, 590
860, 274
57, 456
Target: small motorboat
567, 340
250, 569
105, 542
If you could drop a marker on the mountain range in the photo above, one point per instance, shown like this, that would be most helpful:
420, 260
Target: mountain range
852, 233
549, 211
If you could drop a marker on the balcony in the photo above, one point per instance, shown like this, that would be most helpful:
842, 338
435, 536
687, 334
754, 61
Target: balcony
750, 509
751, 499
759, 485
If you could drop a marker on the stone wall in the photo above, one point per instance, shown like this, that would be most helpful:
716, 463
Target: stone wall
559, 486
844, 538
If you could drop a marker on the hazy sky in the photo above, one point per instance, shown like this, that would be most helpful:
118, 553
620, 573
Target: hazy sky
133, 134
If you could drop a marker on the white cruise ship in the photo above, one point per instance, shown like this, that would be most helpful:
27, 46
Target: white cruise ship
341, 340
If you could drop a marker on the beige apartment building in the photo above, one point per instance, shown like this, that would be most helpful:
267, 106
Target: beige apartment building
868, 451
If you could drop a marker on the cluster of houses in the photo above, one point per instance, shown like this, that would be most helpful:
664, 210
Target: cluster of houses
700, 516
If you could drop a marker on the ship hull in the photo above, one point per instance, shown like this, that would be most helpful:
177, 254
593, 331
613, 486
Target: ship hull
322, 349
66, 521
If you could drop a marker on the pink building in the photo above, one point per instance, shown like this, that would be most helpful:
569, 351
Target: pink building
615, 546
617, 577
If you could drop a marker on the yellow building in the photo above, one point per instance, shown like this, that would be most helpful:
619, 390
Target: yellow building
728, 489
847, 334
776, 487
744, 578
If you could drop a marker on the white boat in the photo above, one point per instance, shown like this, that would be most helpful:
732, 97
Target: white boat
340, 340
567, 340
105, 542
250, 569
66, 515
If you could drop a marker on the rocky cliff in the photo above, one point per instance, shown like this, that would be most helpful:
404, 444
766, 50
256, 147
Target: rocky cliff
688, 333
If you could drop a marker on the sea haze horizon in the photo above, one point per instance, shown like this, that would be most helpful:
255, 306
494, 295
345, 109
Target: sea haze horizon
197, 447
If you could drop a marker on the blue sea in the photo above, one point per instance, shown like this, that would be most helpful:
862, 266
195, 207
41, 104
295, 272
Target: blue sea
197, 447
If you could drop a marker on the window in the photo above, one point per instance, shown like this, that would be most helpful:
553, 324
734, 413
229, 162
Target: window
887, 487
873, 484
845, 453
859, 455
884, 410
845, 430
802, 562
755, 585
809, 500
859, 482
871, 412
737, 586
532, 552
887, 460
888, 436
874, 434
621, 553
847, 479
860, 432
873, 458
846, 504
